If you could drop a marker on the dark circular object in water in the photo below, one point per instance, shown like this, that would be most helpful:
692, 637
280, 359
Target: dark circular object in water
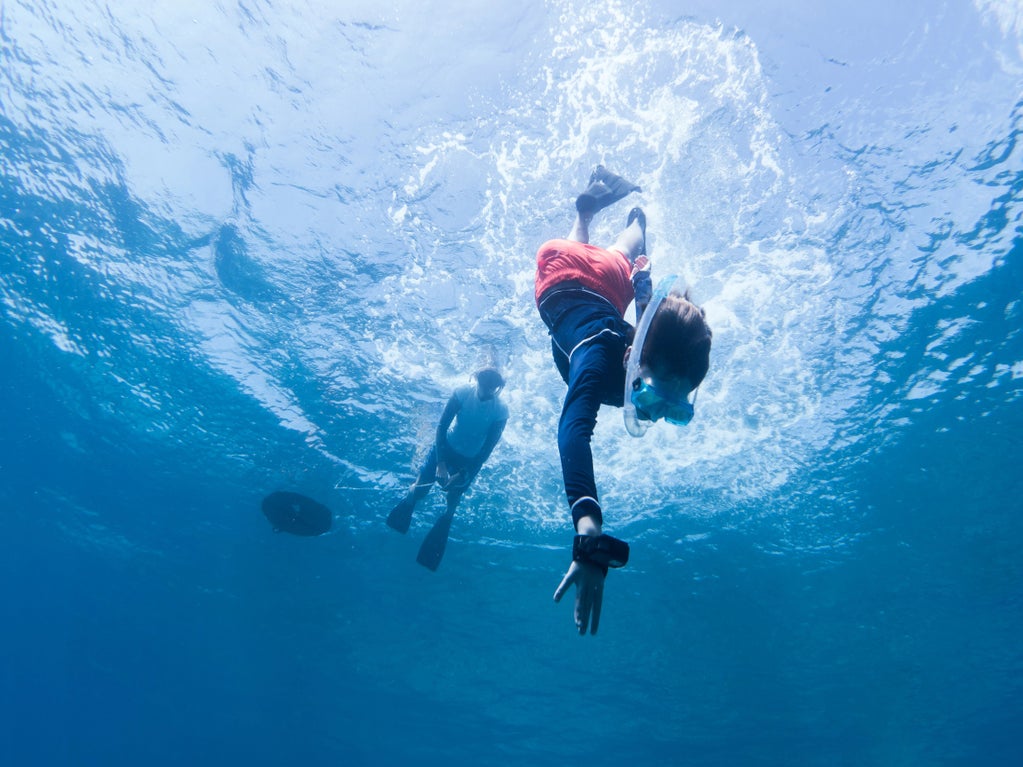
296, 514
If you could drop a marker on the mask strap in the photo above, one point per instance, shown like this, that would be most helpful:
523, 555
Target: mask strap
633, 425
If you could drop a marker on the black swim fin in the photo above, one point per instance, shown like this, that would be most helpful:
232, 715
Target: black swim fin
432, 550
401, 515
605, 188
637, 213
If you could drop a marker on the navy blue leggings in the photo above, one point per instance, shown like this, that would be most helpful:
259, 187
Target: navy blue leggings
588, 341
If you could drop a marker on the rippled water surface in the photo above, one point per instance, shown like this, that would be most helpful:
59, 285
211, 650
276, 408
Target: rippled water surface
253, 246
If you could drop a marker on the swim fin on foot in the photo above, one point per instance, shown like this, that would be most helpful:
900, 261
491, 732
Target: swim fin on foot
634, 214
605, 188
401, 515
432, 550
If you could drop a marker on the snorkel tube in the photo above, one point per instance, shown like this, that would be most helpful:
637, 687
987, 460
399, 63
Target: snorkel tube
633, 425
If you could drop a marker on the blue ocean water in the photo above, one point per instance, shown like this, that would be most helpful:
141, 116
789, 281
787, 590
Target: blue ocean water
253, 246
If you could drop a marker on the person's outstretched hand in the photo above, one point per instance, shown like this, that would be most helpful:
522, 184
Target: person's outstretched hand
589, 594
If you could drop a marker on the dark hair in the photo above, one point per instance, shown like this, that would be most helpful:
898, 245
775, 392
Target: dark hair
678, 341
489, 378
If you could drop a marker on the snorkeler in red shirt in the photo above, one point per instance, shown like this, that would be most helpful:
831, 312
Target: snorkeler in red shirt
582, 293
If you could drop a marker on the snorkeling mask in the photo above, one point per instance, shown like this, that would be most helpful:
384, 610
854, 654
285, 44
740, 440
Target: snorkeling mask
643, 403
651, 405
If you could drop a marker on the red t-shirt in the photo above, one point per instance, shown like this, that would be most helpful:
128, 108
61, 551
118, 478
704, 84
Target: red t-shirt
605, 272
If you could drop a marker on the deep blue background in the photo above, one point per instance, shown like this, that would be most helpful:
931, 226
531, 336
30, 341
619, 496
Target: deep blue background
253, 247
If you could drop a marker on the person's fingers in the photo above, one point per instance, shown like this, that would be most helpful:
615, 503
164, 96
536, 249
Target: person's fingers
598, 603
583, 602
567, 581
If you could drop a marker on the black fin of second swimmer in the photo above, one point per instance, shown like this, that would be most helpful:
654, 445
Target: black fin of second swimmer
432, 550
605, 188
401, 516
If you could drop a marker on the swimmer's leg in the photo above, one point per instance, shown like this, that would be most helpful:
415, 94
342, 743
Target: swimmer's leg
632, 240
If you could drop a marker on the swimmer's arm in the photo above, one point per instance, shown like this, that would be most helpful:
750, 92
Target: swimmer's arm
450, 411
493, 437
